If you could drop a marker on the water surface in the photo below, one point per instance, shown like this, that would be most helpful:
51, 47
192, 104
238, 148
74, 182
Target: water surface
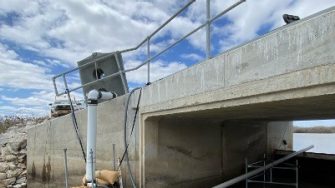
323, 143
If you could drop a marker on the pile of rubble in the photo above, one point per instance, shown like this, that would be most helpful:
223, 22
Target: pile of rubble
13, 152
13, 170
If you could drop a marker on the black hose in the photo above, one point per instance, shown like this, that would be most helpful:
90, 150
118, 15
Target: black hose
125, 132
75, 124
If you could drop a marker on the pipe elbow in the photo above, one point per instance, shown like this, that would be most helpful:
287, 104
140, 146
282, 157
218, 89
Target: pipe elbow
93, 94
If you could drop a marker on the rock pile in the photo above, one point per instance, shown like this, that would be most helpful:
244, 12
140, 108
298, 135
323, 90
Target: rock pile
13, 171
13, 150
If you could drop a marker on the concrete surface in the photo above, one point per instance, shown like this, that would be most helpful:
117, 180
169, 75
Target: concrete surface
195, 152
225, 109
293, 58
47, 141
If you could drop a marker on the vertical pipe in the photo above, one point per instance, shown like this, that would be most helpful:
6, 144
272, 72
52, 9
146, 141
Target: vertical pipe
92, 169
66, 169
264, 162
208, 29
91, 139
114, 165
149, 55
270, 174
246, 172
297, 173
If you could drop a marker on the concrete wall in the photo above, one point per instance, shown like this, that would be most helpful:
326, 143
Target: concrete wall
47, 141
179, 152
192, 152
182, 153
280, 136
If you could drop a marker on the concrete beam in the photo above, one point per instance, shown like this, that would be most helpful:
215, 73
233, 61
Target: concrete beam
294, 57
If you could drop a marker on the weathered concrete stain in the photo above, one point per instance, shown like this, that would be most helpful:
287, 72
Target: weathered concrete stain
186, 152
46, 171
33, 170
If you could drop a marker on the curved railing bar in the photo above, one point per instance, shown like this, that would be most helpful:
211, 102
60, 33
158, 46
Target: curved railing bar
135, 48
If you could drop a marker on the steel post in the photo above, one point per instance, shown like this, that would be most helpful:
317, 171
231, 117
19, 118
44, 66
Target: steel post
148, 55
270, 174
246, 172
65, 169
297, 173
114, 162
264, 163
208, 29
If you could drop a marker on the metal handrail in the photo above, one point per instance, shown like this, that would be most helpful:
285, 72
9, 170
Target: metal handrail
259, 170
147, 40
160, 27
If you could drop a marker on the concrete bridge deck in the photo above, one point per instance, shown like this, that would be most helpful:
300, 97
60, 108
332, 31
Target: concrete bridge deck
196, 126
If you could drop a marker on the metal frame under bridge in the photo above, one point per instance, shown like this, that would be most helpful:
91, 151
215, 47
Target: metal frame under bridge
146, 41
251, 174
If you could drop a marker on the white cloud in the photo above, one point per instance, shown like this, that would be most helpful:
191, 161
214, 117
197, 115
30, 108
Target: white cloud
192, 56
31, 101
250, 16
72, 30
17, 74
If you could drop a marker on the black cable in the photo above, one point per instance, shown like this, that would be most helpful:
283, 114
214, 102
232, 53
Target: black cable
75, 124
136, 112
125, 154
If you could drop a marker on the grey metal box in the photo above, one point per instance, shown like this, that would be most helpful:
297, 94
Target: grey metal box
104, 64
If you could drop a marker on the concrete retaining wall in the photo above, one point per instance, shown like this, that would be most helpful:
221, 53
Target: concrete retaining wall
47, 141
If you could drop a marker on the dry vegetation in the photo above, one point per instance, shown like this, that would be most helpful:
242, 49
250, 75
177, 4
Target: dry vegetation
10, 121
317, 129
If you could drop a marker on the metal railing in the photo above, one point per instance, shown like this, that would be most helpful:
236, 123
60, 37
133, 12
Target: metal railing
257, 171
257, 179
147, 41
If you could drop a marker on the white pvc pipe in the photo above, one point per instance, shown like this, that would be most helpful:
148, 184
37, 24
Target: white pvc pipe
92, 103
105, 95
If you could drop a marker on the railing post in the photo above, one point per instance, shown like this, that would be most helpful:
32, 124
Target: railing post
55, 86
148, 53
264, 163
65, 169
114, 163
65, 82
246, 172
270, 174
297, 173
208, 29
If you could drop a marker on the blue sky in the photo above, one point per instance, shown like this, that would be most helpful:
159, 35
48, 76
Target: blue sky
39, 39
